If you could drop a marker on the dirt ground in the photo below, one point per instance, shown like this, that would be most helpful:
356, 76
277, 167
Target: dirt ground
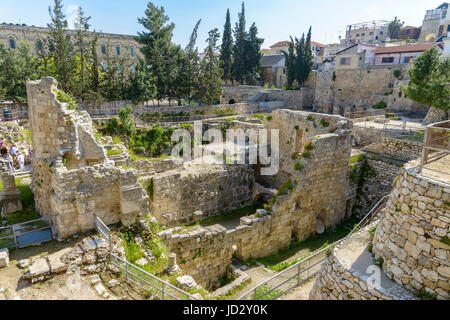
71, 286
301, 292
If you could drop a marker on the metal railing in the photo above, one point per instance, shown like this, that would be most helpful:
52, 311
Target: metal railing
364, 114
13, 115
305, 269
26, 234
143, 279
148, 282
436, 145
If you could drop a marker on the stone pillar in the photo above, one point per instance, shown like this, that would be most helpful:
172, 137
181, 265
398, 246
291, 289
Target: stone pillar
10, 196
172, 267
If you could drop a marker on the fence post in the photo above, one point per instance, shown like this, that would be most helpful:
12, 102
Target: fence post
298, 275
254, 297
15, 238
163, 287
126, 271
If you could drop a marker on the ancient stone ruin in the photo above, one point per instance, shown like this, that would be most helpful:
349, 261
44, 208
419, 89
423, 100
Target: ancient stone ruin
72, 178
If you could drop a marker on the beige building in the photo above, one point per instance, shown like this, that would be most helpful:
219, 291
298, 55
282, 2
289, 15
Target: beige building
118, 45
435, 24
369, 32
317, 48
354, 57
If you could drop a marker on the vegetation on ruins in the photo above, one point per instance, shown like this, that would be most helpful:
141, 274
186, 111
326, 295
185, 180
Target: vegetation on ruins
429, 81
380, 105
299, 60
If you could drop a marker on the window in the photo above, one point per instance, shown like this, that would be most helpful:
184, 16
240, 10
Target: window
407, 60
345, 61
132, 51
12, 43
103, 49
408, 31
357, 34
118, 50
363, 34
448, 28
104, 66
119, 68
38, 44
371, 34
381, 32
133, 68
387, 60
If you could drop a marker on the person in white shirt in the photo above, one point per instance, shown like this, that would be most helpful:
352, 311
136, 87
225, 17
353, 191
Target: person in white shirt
10, 163
21, 160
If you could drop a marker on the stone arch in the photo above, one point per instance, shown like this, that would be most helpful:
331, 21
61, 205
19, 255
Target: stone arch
232, 101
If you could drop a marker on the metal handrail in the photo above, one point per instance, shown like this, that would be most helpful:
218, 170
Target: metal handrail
367, 217
164, 283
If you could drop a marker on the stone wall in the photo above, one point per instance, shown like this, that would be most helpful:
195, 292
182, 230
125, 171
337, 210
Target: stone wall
178, 194
295, 99
377, 183
72, 179
396, 148
157, 166
362, 88
408, 237
345, 274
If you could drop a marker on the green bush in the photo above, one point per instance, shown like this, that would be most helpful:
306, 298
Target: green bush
113, 152
380, 105
66, 98
397, 73
298, 166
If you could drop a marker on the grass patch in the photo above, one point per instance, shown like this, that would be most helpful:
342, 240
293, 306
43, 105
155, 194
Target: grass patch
233, 292
357, 158
28, 213
425, 295
268, 292
113, 152
445, 240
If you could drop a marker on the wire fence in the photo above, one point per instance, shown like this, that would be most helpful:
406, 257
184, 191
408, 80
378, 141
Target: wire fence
305, 269
26, 234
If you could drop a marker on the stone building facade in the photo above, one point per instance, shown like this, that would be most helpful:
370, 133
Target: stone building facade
117, 45
72, 178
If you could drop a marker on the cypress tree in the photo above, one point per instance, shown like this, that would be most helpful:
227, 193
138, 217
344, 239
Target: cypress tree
239, 54
226, 51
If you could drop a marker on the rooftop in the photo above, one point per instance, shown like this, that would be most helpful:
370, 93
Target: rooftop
271, 59
407, 48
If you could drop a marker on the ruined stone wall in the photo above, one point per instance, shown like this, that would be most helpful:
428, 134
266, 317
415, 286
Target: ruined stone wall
72, 179
409, 235
210, 189
157, 166
396, 148
294, 99
377, 183
238, 93
345, 274
362, 88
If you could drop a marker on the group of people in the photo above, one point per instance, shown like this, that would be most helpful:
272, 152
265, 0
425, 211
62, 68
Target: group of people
15, 156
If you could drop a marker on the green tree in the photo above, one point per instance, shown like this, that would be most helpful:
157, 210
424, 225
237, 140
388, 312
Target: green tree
190, 67
305, 60
394, 28
239, 47
60, 46
253, 56
226, 52
157, 47
211, 83
142, 85
429, 81
82, 45
290, 63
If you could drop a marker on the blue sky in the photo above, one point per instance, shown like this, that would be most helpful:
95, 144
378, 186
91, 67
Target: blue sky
275, 19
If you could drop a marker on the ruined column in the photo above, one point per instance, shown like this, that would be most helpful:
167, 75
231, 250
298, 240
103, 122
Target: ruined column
172, 267
10, 196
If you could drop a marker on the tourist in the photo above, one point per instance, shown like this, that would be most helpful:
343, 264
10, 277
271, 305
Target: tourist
3, 149
28, 158
21, 160
5, 113
10, 163
13, 151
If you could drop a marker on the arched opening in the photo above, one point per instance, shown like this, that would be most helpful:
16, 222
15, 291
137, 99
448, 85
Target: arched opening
232, 101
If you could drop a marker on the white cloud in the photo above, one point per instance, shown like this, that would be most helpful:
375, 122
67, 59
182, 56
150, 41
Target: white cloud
72, 15
373, 12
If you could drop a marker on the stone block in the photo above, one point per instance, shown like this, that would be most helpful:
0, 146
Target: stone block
4, 258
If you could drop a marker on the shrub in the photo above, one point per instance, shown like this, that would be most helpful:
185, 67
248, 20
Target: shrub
298, 166
380, 105
309, 147
66, 98
269, 117
310, 118
397, 73
324, 123
139, 150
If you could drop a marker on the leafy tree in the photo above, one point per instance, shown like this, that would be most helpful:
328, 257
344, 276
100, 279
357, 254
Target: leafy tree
299, 60
239, 47
157, 47
127, 123
394, 28
429, 81
226, 52
142, 85
211, 74
60, 46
